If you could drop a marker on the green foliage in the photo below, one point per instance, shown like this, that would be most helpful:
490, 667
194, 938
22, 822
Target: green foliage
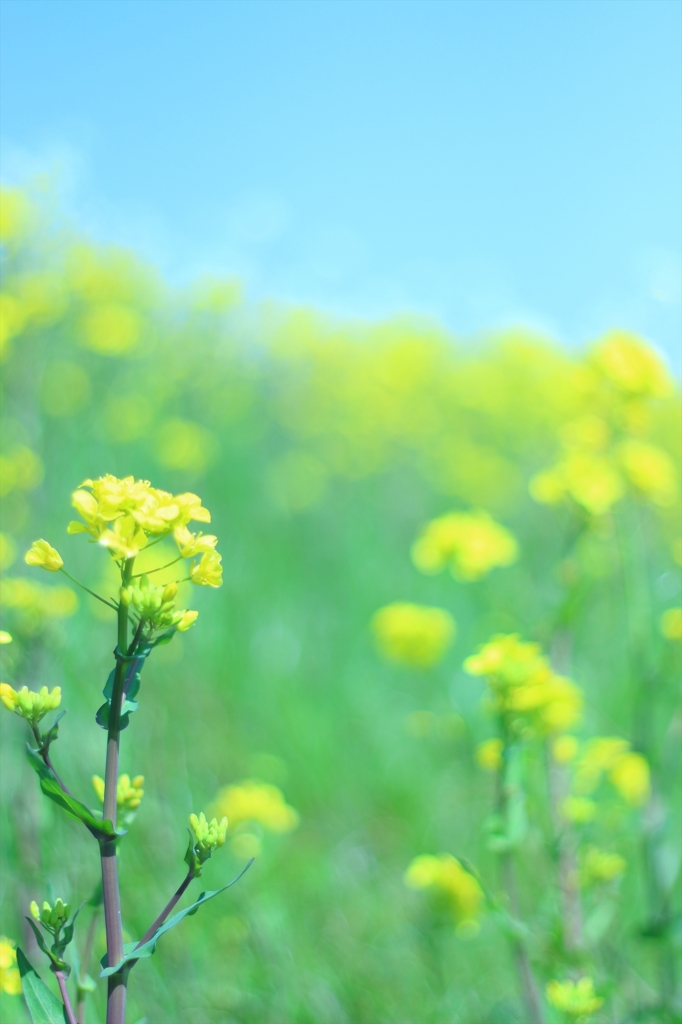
43, 1006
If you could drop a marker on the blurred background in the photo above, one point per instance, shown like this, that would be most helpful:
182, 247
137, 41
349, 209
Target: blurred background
341, 269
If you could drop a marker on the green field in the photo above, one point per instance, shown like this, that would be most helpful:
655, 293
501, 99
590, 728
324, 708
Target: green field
322, 449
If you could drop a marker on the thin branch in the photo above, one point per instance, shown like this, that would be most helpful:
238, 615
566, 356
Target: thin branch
159, 569
91, 592
166, 910
61, 981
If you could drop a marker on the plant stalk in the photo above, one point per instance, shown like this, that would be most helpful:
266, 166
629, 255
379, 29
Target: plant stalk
61, 981
116, 998
85, 960
166, 910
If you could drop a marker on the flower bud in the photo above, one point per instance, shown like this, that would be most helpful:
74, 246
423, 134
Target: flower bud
35, 910
44, 555
169, 592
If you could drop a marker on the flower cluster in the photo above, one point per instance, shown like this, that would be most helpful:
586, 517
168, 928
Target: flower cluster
28, 704
257, 802
577, 999
600, 866
53, 918
523, 686
610, 757
413, 634
208, 835
470, 544
155, 605
10, 979
445, 876
129, 792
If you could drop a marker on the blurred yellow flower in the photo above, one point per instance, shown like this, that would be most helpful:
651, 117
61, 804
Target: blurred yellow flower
611, 757
576, 999
630, 775
111, 329
489, 754
182, 444
443, 874
579, 809
469, 543
671, 624
259, 802
600, 866
413, 634
10, 979
650, 470
5, 637
565, 749
44, 555
128, 793
631, 365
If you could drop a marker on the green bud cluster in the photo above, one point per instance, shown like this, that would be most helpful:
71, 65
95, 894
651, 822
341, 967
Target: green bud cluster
208, 835
28, 704
155, 605
52, 918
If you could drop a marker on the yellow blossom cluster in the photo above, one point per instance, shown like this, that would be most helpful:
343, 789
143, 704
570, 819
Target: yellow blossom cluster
444, 875
523, 686
470, 544
10, 979
610, 757
208, 835
257, 802
28, 704
52, 917
600, 866
603, 453
129, 792
577, 999
413, 634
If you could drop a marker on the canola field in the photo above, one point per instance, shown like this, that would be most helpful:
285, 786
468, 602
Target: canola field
433, 684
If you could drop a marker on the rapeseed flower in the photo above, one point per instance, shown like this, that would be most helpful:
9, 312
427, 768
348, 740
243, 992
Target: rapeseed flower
631, 366
28, 704
207, 572
671, 624
413, 634
577, 999
445, 876
10, 979
610, 757
44, 555
208, 835
257, 802
129, 792
650, 470
470, 544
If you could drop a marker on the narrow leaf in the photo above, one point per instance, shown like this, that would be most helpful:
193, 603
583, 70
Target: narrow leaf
52, 789
54, 958
133, 953
43, 1007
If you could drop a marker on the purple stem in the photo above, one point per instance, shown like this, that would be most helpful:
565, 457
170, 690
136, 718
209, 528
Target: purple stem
166, 910
61, 981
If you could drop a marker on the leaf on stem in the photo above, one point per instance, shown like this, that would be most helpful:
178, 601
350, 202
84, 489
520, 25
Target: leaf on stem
132, 953
51, 788
43, 1007
60, 964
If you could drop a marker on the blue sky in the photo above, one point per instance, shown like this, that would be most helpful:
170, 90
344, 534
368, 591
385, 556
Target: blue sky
486, 163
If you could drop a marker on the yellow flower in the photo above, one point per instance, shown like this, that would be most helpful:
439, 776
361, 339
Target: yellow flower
579, 809
128, 793
413, 634
44, 555
186, 621
5, 637
601, 866
650, 470
256, 802
489, 754
445, 875
631, 366
10, 979
208, 572
28, 704
631, 777
209, 835
192, 544
565, 749
577, 999
671, 624
470, 543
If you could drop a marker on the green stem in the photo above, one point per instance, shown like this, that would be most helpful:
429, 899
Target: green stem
87, 589
116, 998
85, 960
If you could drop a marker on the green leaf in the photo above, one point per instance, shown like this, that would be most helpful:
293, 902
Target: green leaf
48, 737
131, 688
133, 953
43, 1007
52, 789
53, 957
